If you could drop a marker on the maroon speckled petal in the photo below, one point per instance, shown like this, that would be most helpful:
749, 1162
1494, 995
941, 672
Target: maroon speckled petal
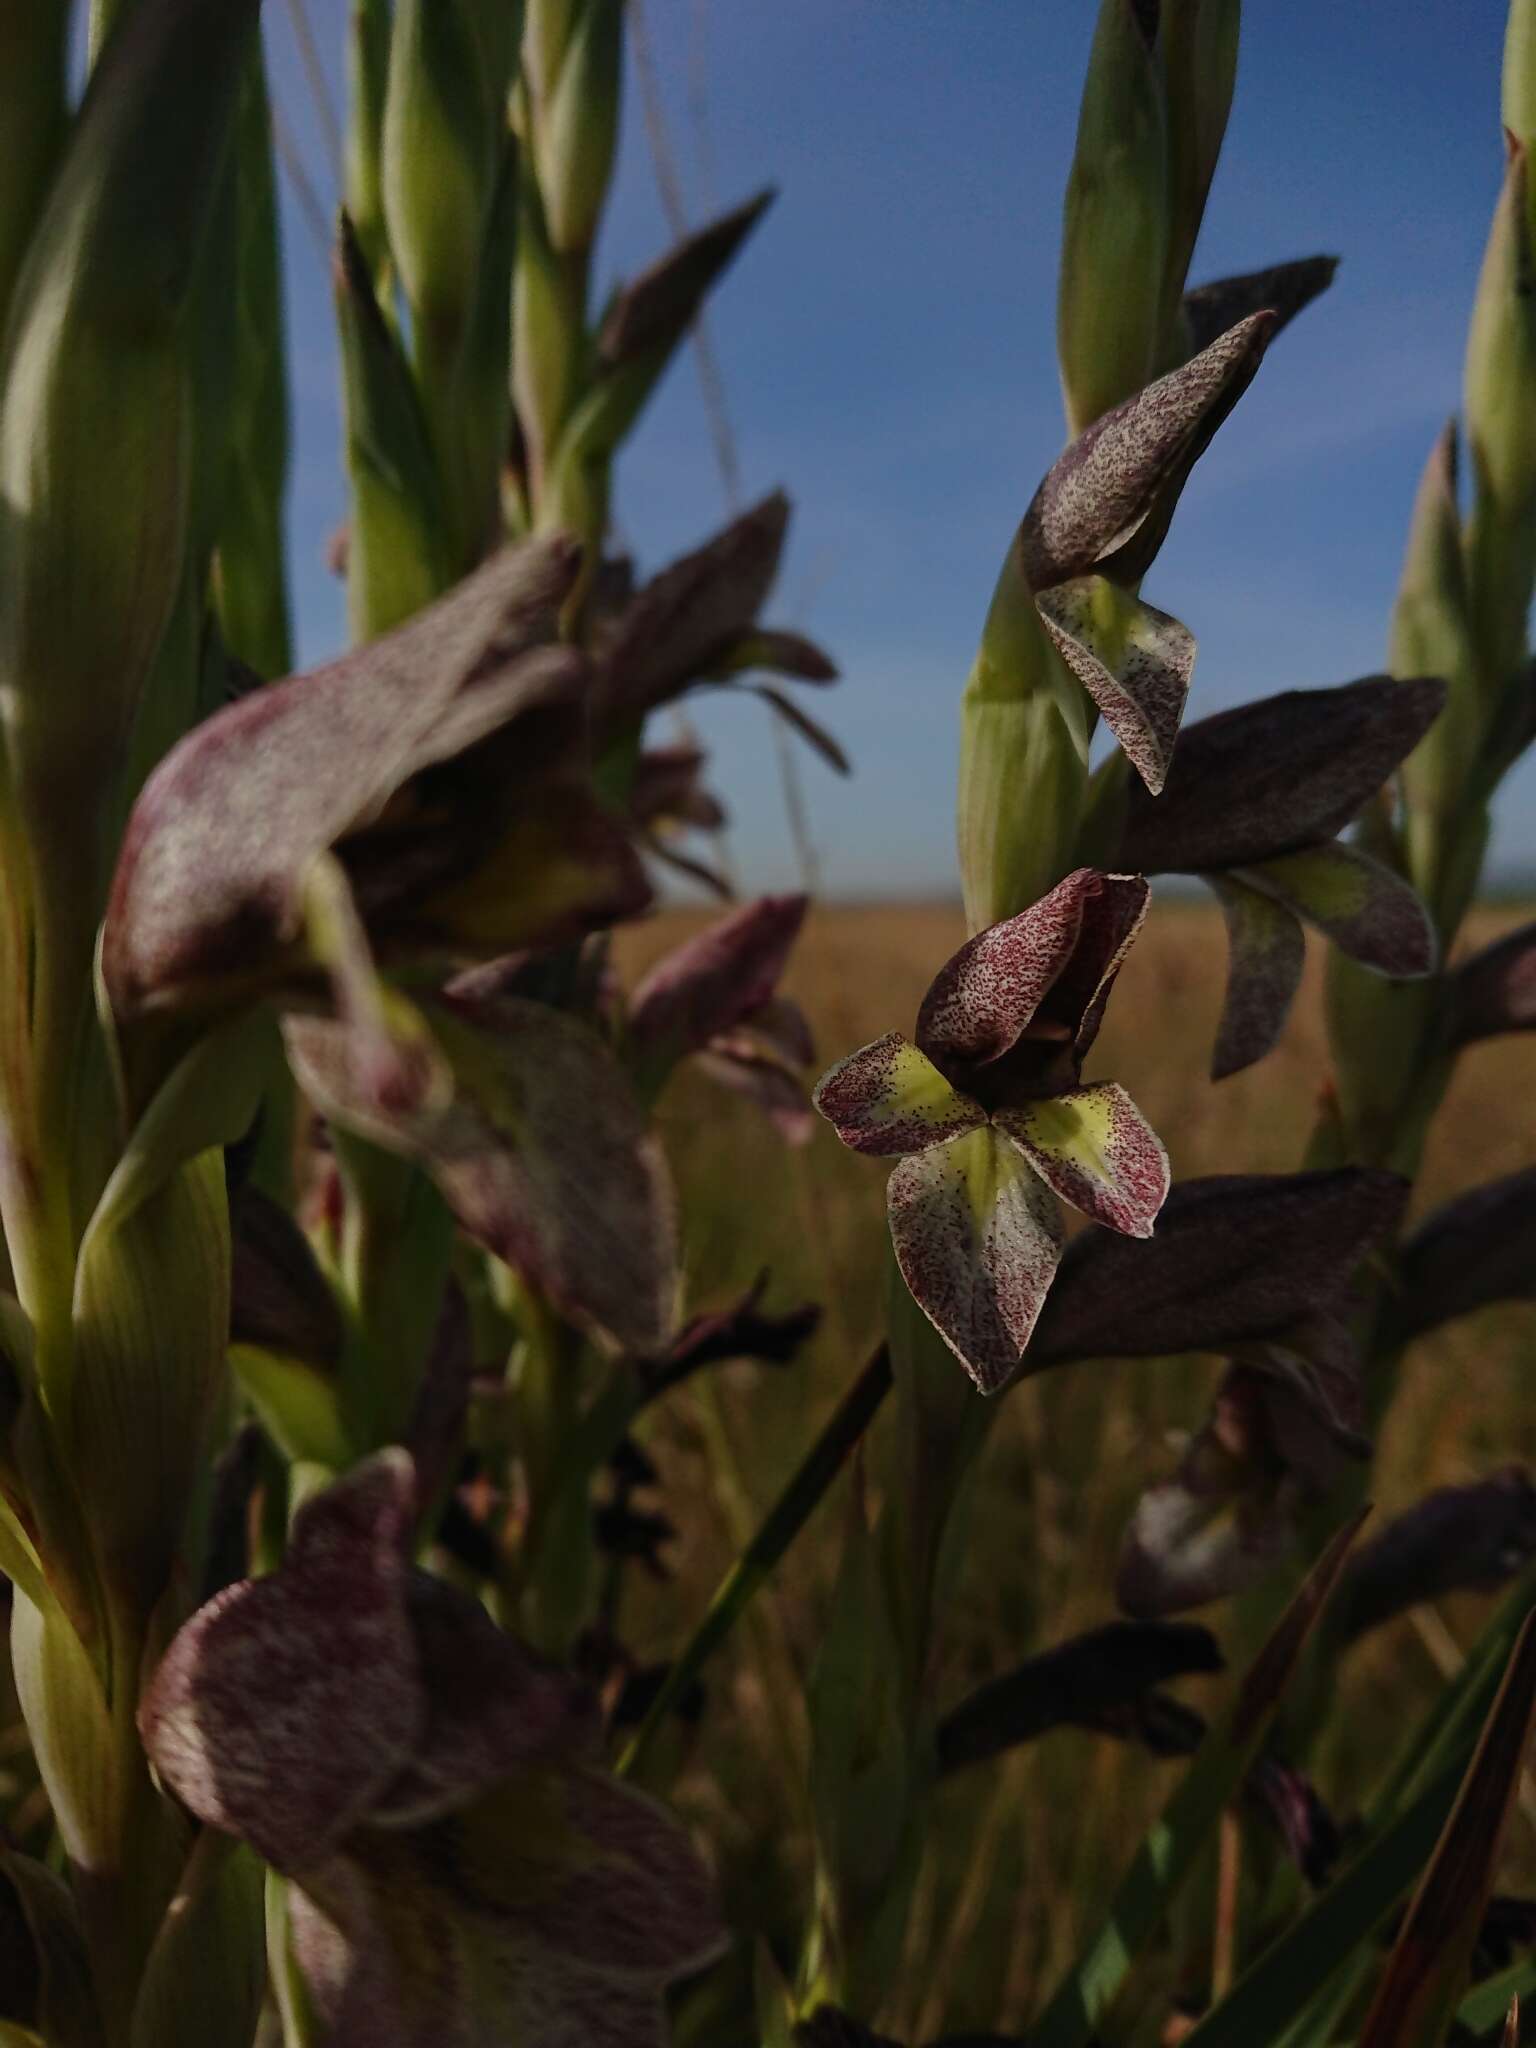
492, 1708
977, 1236
985, 996
1266, 953
888, 1098
285, 1706
541, 1151
713, 981
1495, 991
640, 1902
1097, 1151
225, 829
1134, 661
1109, 496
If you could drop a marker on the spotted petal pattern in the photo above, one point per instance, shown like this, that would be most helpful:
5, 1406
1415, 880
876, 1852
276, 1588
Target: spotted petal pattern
1094, 1148
888, 1098
286, 1705
977, 1237
1134, 661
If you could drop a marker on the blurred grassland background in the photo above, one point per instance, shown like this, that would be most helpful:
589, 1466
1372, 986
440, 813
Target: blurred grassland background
1023, 1853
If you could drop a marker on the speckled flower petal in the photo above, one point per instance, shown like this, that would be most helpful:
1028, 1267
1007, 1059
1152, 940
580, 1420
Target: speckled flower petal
1110, 495
1058, 958
547, 1913
1478, 1248
285, 1706
1282, 773
491, 1708
1265, 956
219, 842
1097, 1151
541, 1151
1134, 661
977, 1236
888, 1098
1369, 913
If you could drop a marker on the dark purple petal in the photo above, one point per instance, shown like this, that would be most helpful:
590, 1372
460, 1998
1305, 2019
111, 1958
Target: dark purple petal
762, 1079
1478, 1248
743, 1329
279, 1298
540, 1150
654, 310
1077, 1683
1107, 501
285, 1706
977, 1237
1271, 777
713, 981
815, 735
1233, 1257
1295, 1809
222, 836
888, 1099
491, 1708
686, 620
1456, 1539
1369, 913
1266, 952
1284, 289
1495, 991
1059, 959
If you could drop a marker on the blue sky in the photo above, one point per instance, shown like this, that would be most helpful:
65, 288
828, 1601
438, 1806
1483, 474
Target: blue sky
887, 346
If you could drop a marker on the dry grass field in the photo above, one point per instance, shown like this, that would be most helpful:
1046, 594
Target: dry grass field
1025, 1851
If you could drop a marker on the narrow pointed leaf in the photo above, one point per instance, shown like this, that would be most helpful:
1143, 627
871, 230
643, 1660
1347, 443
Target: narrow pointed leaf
815, 735
1134, 661
1478, 1248
1233, 1257
977, 1236
1284, 289
1266, 952
1190, 1818
1427, 1971
888, 1099
1095, 1149
1370, 913
1270, 777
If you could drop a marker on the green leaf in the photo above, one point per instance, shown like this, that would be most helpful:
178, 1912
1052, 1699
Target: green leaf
1427, 1971
1168, 1853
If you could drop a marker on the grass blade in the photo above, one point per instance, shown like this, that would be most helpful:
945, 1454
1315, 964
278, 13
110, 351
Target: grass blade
1417, 1995
1169, 1850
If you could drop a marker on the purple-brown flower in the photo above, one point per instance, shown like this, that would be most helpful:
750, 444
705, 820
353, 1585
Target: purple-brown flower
463, 1869
988, 1115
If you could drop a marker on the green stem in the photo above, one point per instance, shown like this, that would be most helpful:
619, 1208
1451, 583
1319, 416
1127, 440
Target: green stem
783, 1523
